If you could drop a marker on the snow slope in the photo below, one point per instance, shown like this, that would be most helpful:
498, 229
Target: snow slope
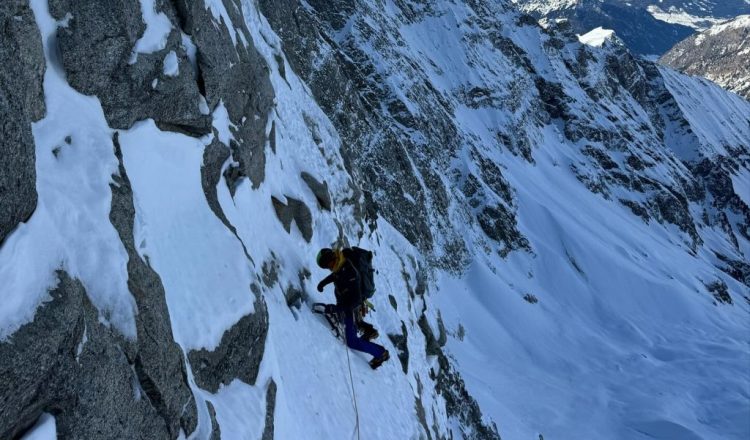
621, 342
596, 37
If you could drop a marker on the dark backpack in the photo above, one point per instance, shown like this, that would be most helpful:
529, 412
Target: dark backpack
362, 261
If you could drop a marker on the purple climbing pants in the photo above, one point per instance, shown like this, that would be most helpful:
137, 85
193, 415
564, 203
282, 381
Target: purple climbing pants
355, 342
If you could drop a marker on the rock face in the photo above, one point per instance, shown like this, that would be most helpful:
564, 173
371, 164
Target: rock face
404, 172
69, 364
237, 356
721, 54
294, 210
22, 68
99, 51
103, 53
231, 71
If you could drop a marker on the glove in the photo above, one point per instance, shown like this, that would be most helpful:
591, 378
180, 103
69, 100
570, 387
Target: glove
321, 286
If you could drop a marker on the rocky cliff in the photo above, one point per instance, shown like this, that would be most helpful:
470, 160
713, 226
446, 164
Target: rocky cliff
721, 54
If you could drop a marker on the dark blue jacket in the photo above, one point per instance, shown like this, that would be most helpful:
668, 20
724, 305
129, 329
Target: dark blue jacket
347, 283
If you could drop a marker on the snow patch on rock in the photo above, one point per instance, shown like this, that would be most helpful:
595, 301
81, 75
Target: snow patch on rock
44, 429
157, 30
596, 37
171, 65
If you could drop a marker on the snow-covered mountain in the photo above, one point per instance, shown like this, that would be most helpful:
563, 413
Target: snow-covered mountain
698, 14
648, 27
560, 231
721, 54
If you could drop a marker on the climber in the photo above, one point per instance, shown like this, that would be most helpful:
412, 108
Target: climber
351, 275
362, 261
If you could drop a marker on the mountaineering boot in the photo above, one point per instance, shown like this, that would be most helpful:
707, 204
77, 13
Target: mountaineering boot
378, 361
370, 333
367, 330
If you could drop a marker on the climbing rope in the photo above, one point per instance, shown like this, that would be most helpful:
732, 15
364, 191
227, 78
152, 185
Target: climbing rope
354, 396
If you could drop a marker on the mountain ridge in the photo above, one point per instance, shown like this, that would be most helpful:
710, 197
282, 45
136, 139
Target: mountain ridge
648, 28
720, 53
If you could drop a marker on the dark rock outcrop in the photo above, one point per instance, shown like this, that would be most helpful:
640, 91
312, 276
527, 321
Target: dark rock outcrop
294, 210
320, 190
238, 355
718, 53
214, 156
22, 69
500, 225
231, 71
97, 48
432, 348
400, 341
66, 362
719, 291
270, 407
215, 428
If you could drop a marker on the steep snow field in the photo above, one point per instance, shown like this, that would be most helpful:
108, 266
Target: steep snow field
622, 342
